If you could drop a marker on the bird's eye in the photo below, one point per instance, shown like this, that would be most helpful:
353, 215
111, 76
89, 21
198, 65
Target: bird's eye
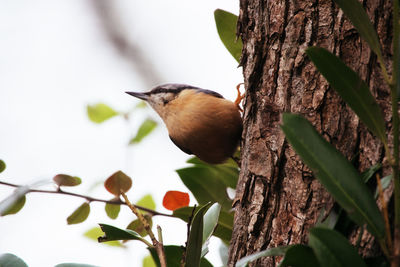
165, 101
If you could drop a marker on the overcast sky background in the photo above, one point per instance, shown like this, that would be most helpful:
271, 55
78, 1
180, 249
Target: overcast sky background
54, 60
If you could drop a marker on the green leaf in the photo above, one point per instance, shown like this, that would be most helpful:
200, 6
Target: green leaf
94, 234
74, 265
357, 15
210, 222
140, 105
228, 163
172, 253
148, 262
194, 244
184, 213
227, 172
112, 210
144, 130
333, 249
147, 202
224, 226
385, 182
66, 180
205, 263
226, 26
205, 186
278, 251
367, 174
351, 88
138, 227
17, 206
113, 233
2, 166
299, 256
10, 201
100, 112
335, 172
10, 260
80, 214
174, 256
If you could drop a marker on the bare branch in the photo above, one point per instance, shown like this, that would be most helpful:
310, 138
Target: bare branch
88, 198
128, 50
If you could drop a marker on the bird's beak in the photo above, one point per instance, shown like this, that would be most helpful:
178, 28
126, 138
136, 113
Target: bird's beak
142, 96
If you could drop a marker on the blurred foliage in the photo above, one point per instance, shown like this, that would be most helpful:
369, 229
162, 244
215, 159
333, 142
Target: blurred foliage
80, 214
10, 260
148, 262
15, 207
2, 165
208, 183
147, 201
144, 130
66, 180
117, 183
112, 210
100, 112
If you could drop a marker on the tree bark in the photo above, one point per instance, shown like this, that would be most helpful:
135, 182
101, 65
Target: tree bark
277, 199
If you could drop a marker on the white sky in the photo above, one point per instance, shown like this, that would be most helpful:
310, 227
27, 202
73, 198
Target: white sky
54, 60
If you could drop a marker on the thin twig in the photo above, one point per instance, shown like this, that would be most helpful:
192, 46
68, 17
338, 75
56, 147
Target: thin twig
157, 245
114, 30
159, 231
88, 198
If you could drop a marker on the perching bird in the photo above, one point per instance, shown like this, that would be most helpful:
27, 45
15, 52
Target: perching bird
199, 121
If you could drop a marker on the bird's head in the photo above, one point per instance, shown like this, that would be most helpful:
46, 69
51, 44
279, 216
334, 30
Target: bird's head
159, 97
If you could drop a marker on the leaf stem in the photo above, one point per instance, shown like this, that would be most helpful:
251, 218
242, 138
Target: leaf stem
158, 245
146, 242
385, 212
88, 198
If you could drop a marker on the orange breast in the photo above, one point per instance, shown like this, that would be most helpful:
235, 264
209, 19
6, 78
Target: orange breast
208, 126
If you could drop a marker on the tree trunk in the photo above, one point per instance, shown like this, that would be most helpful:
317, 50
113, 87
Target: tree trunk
277, 199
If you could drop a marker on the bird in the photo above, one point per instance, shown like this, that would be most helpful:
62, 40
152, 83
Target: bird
199, 121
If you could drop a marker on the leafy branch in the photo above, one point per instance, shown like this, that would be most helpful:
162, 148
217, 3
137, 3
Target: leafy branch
89, 198
158, 245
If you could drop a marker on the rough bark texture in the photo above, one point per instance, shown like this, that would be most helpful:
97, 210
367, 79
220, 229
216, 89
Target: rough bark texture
277, 198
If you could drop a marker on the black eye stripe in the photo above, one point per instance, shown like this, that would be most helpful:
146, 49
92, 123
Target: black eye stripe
177, 88
163, 90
